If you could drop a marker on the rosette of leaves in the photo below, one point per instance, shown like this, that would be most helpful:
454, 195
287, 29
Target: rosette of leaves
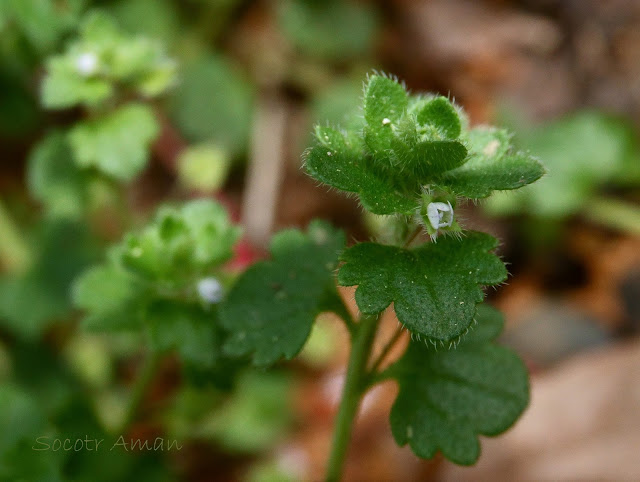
413, 149
153, 281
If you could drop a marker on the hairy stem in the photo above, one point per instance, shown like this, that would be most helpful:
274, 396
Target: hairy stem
354, 388
145, 377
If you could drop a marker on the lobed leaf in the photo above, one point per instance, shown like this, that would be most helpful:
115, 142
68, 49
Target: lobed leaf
449, 397
342, 164
492, 166
271, 308
440, 113
116, 144
385, 101
180, 243
434, 288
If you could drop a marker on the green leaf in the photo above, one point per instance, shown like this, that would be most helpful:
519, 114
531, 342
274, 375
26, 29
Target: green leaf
440, 113
185, 328
31, 302
492, 166
255, 417
203, 167
117, 144
180, 243
112, 298
449, 397
44, 22
271, 308
101, 62
341, 163
581, 153
423, 161
63, 87
23, 425
159, 19
434, 287
55, 180
213, 102
331, 29
385, 100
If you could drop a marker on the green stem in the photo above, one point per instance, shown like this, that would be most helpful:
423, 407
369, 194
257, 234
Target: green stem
354, 388
14, 252
614, 214
145, 377
385, 351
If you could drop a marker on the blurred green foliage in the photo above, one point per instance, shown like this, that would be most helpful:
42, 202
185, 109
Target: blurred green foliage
583, 152
328, 29
101, 61
213, 102
32, 300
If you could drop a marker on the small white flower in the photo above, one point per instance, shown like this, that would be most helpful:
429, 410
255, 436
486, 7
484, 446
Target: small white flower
87, 63
210, 290
440, 214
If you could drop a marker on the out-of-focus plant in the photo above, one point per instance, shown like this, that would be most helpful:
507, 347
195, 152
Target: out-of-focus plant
584, 153
213, 103
108, 75
414, 158
165, 281
329, 29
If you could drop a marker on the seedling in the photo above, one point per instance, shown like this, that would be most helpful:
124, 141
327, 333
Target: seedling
415, 159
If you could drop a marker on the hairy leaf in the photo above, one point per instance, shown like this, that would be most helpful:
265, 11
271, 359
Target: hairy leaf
441, 114
385, 100
271, 308
492, 166
449, 397
340, 163
434, 287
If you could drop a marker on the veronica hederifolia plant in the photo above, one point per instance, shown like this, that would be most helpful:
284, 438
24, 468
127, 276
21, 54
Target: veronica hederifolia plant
414, 158
110, 77
165, 281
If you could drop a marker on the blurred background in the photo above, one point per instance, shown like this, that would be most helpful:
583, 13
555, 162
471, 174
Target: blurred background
233, 111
